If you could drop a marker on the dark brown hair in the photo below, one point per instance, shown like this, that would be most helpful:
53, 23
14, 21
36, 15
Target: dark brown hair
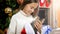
27, 2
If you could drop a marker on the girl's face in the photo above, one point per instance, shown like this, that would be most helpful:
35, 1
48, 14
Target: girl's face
30, 7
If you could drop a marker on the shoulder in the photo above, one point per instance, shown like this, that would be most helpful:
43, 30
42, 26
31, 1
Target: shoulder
17, 14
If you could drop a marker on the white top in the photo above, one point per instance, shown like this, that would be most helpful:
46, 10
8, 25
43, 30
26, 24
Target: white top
18, 21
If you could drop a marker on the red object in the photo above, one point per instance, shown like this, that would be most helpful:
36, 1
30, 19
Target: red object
48, 2
23, 31
42, 3
45, 2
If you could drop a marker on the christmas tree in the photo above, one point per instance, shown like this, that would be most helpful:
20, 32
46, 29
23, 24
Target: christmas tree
3, 16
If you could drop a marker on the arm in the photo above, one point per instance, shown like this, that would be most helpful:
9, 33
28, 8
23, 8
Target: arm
12, 26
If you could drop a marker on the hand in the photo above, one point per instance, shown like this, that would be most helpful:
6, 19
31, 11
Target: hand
38, 24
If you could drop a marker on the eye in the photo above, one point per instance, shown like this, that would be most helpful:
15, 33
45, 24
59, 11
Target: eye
32, 7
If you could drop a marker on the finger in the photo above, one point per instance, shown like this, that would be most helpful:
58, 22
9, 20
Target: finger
38, 26
39, 21
38, 17
35, 26
43, 20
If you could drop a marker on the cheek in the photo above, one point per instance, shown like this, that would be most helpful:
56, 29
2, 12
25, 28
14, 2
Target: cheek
29, 10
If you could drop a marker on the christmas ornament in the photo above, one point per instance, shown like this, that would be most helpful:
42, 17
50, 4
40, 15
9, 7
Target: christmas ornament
45, 3
48, 2
42, 2
8, 10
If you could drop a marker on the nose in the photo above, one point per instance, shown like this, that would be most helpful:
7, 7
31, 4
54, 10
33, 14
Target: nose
32, 10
